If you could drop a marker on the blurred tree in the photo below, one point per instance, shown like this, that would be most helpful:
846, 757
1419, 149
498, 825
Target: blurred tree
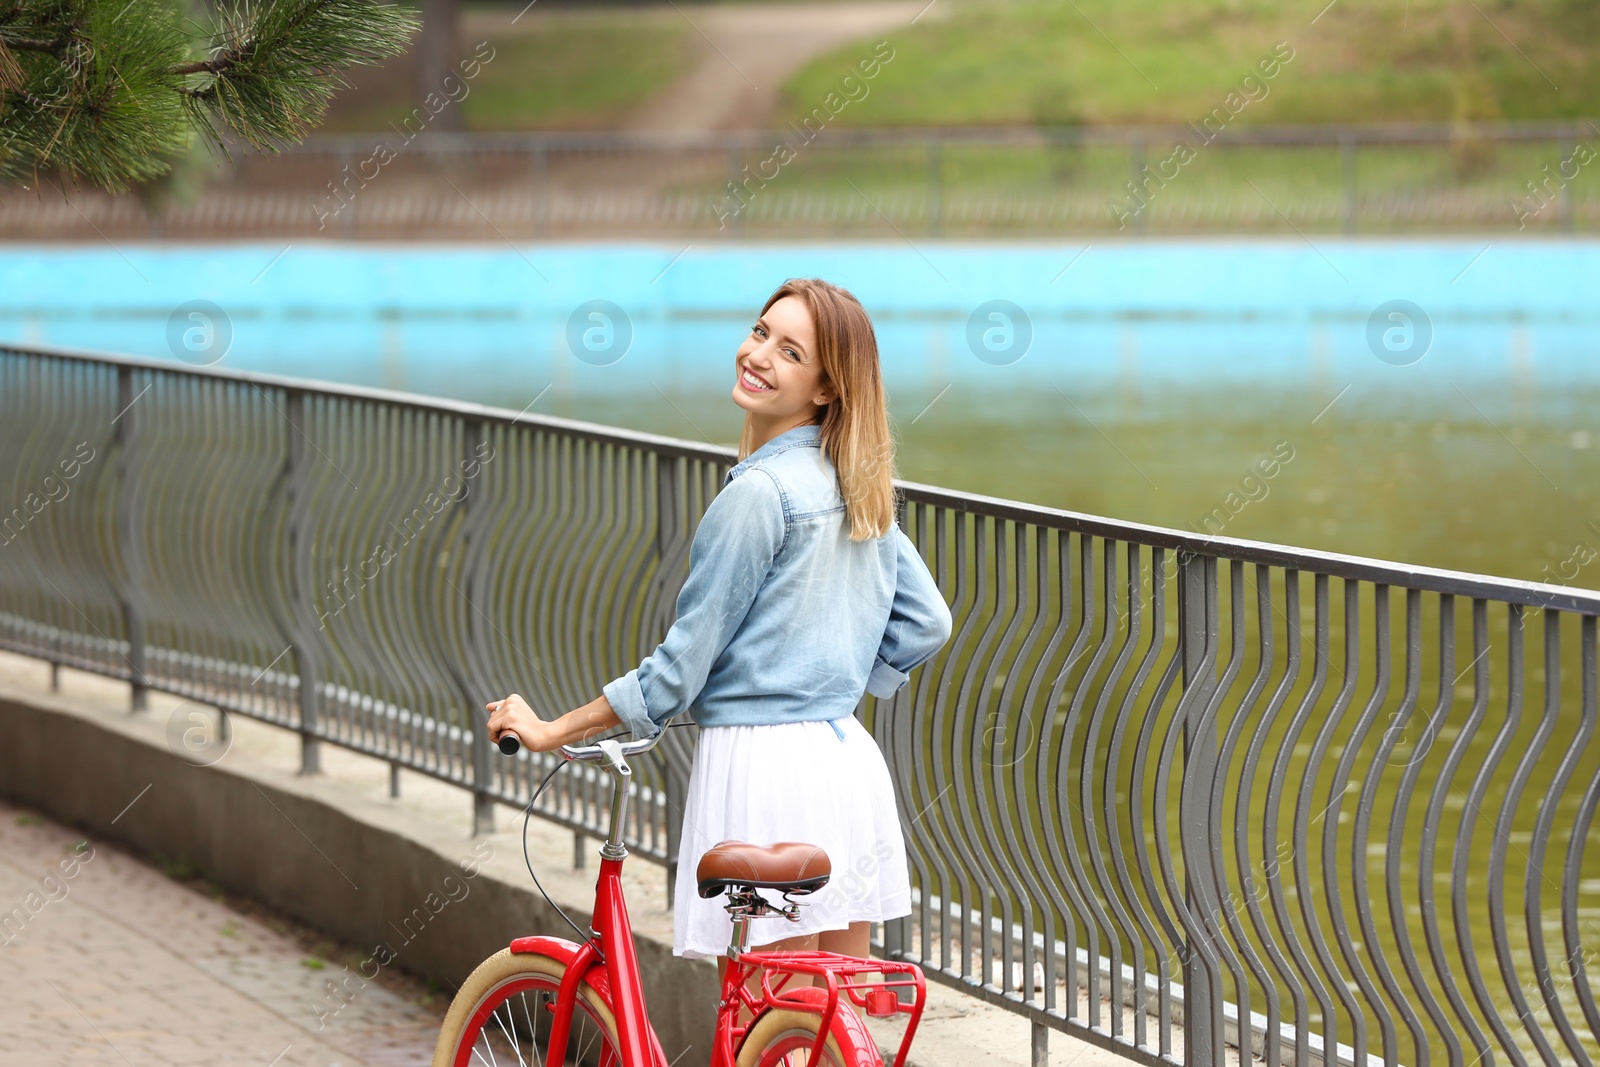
1053, 103
115, 92
1473, 101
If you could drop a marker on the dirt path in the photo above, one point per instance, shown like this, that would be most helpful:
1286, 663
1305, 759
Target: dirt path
743, 53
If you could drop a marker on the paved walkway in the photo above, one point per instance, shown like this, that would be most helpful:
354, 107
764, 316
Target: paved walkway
744, 52
107, 960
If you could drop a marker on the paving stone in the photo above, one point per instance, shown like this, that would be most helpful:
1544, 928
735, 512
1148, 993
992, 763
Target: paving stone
110, 961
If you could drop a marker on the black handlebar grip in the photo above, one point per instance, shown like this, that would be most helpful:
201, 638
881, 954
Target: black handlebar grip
509, 743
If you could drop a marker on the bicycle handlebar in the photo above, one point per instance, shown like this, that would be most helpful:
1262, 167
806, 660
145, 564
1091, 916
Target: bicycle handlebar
509, 744
597, 753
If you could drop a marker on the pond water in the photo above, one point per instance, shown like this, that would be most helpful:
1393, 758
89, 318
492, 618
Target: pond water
1439, 399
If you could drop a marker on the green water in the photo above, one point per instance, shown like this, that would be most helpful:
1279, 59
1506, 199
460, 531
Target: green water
1517, 497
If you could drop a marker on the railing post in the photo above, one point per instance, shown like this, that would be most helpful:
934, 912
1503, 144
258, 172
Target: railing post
1197, 624
541, 189
1347, 171
347, 223
733, 185
482, 800
303, 589
130, 537
483, 750
894, 937
674, 787
667, 513
1570, 147
935, 185
1136, 180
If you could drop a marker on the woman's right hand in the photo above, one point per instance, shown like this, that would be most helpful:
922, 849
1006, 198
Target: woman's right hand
513, 715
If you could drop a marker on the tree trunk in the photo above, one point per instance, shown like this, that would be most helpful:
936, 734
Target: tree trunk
438, 52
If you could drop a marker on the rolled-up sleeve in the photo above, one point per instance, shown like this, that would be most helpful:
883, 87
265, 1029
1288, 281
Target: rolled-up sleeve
739, 536
919, 621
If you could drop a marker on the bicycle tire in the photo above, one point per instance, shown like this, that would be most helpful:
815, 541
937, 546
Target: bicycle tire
492, 986
782, 1037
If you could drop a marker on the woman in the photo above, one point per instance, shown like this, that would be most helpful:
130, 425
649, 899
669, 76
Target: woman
802, 594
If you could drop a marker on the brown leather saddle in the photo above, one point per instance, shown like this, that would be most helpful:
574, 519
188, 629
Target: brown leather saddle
787, 866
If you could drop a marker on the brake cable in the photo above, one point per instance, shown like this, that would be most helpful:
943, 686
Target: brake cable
527, 817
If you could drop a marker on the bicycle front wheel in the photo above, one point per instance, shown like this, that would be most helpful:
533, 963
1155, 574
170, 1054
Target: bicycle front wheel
502, 1014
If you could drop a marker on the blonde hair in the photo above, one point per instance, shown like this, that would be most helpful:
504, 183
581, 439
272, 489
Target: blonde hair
855, 426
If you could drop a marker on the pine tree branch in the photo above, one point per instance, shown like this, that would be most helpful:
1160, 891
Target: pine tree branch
22, 44
111, 91
281, 62
209, 66
232, 57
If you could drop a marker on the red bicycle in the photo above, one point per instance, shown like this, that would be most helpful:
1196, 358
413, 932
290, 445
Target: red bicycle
547, 1000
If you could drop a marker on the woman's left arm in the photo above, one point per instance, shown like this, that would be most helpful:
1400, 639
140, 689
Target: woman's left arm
537, 735
739, 536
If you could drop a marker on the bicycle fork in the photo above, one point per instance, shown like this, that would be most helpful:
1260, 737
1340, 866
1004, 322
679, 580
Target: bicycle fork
610, 949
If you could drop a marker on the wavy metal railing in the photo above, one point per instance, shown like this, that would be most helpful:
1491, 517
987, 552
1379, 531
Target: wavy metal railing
1171, 795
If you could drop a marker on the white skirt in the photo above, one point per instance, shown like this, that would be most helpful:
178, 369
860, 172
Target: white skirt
824, 783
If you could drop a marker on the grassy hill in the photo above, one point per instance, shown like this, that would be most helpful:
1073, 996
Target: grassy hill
1019, 62
562, 69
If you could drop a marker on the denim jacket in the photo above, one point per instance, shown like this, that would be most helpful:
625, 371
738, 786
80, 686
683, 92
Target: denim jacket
783, 618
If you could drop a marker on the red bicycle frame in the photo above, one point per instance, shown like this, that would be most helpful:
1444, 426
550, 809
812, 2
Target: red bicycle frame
608, 964
877, 997
606, 961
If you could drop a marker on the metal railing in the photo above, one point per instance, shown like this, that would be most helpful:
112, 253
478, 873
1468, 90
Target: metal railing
1521, 177
1169, 794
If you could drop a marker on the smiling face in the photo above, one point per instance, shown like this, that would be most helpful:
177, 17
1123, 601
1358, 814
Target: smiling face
780, 355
